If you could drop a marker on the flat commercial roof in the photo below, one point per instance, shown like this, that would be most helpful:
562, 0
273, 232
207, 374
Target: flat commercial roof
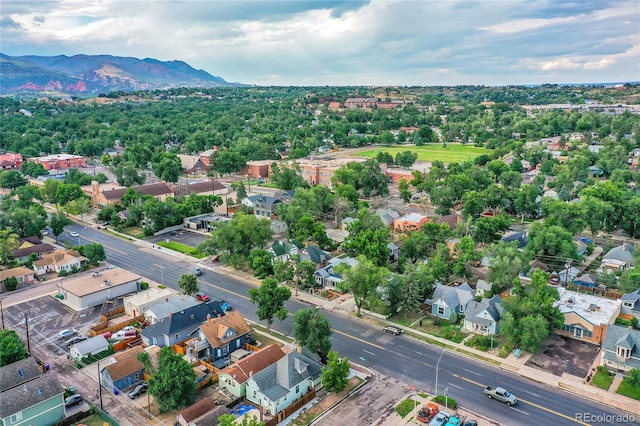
596, 310
93, 283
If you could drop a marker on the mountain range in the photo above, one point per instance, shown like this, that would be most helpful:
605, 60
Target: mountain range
90, 75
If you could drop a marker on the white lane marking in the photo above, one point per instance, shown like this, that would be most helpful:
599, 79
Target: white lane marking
520, 411
473, 372
370, 353
531, 393
455, 386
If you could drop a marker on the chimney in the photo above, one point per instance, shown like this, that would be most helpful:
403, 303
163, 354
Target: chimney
208, 317
170, 314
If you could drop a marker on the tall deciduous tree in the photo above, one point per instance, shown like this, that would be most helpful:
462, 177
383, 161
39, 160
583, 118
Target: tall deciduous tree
188, 283
312, 329
551, 241
369, 237
506, 262
335, 376
8, 243
303, 274
270, 299
173, 384
94, 252
11, 348
362, 279
168, 168
239, 236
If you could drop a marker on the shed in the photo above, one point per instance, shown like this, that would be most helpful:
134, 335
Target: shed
91, 346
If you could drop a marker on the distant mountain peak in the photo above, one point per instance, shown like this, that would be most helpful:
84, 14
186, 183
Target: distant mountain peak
93, 74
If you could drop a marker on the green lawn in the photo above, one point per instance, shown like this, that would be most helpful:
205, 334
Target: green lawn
406, 406
182, 248
602, 380
454, 152
627, 389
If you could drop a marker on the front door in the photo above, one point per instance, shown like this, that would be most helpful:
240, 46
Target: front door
578, 333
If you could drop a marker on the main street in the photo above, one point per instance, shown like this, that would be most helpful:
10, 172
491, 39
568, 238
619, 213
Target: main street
404, 358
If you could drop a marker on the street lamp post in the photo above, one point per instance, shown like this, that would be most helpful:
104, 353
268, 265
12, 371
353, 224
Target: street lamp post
437, 368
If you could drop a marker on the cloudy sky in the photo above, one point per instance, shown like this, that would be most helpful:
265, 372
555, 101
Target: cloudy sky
349, 42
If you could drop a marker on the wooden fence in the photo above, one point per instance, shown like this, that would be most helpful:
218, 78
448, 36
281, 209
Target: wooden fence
291, 409
103, 327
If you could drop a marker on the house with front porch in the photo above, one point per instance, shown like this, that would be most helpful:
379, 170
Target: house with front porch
621, 349
277, 386
327, 277
31, 246
316, 255
482, 317
586, 317
23, 274
283, 250
618, 258
448, 302
216, 338
234, 377
263, 205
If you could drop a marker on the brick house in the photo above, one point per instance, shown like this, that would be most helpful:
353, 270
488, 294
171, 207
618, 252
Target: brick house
10, 161
60, 161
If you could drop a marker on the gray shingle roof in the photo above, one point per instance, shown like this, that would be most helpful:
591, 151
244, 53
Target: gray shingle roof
176, 304
622, 253
18, 372
633, 296
452, 296
21, 397
276, 380
91, 344
492, 306
189, 318
625, 337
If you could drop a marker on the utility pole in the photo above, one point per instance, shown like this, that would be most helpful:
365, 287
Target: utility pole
1, 314
437, 368
26, 323
100, 386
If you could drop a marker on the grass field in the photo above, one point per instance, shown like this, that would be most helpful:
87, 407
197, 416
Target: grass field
453, 153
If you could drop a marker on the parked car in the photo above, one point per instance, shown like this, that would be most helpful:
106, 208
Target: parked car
427, 412
224, 305
141, 389
73, 400
124, 334
107, 223
453, 421
500, 394
202, 296
471, 423
74, 340
197, 271
393, 330
439, 420
67, 333
74, 234
215, 258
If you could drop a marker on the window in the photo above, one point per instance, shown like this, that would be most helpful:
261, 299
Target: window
137, 376
16, 417
623, 352
628, 304
461, 308
441, 310
298, 389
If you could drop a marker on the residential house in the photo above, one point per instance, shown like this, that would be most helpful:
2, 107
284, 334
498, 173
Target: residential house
29, 246
316, 255
588, 281
327, 276
10, 161
234, 378
520, 237
388, 216
449, 301
567, 275
58, 261
410, 222
139, 303
618, 258
162, 309
19, 372
283, 250
39, 401
192, 164
278, 226
122, 370
217, 338
22, 274
159, 191
346, 222
452, 220
82, 292
586, 317
631, 304
181, 325
263, 205
394, 252
277, 386
621, 349
482, 317
91, 346
205, 221
483, 288
204, 412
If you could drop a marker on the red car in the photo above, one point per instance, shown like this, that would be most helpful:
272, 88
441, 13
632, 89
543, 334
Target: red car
202, 297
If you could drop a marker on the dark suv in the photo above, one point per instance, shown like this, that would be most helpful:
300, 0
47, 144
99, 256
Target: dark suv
393, 330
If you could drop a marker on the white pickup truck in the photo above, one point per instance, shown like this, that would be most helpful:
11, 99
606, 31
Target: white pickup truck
500, 394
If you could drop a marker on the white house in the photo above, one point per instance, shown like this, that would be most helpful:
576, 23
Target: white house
163, 308
138, 304
483, 288
91, 346
482, 317
58, 261
82, 292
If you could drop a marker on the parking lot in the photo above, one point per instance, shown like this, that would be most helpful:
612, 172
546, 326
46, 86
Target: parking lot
46, 317
560, 354
183, 236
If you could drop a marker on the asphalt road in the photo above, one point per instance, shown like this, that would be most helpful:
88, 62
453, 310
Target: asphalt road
401, 357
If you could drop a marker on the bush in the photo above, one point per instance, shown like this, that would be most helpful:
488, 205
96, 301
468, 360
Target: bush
450, 402
628, 323
161, 286
63, 273
479, 342
144, 285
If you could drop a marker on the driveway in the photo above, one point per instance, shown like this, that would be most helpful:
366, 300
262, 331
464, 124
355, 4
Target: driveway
560, 354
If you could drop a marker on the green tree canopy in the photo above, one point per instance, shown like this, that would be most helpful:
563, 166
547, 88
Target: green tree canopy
335, 376
11, 347
313, 330
362, 279
188, 283
270, 299
173, 384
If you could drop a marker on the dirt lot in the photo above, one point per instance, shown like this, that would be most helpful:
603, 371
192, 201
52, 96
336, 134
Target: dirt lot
559, 354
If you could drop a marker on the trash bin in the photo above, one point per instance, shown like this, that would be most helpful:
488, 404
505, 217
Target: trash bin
516, 353
115, 391
47, 367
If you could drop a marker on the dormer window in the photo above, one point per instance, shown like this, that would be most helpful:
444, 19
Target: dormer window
624, 353
628, 304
